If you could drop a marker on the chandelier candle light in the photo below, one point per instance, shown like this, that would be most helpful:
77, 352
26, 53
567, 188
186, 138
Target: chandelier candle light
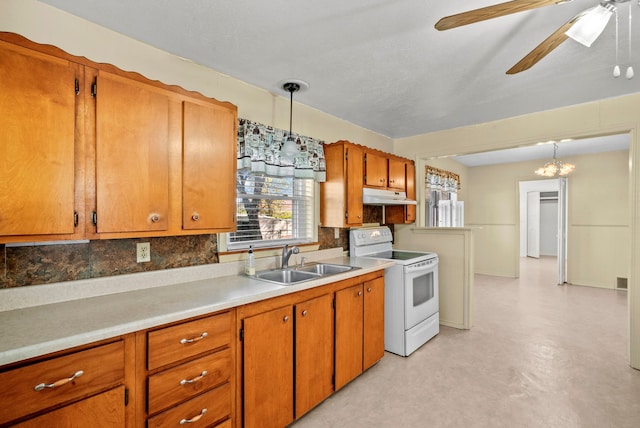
556, 166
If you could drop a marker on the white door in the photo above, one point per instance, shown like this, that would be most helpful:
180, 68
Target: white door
533, 224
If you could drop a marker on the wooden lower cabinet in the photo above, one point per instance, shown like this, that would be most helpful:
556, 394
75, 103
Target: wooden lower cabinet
79, 388
313, 352
296, 350
359, 329
189, 372
105, 410
373, 322
288, 358
268, 368
349, 339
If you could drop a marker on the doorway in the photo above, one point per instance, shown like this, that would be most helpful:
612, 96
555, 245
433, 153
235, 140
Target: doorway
543, 220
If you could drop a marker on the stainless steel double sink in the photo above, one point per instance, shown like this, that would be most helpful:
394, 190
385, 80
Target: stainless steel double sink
292, 276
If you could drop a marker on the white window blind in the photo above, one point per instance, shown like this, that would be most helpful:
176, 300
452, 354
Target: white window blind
272, 211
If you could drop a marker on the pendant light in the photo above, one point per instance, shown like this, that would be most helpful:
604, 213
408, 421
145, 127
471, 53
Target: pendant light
556, 166
289, 148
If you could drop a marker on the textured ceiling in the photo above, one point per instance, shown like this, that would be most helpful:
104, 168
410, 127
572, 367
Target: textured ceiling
381, 64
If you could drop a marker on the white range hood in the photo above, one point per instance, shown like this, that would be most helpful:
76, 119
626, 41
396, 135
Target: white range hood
385, 197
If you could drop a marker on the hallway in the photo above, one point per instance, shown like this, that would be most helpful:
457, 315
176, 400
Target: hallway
539, 355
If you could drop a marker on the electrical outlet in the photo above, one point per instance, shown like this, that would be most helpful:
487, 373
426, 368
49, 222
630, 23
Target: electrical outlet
336, 233
143, 252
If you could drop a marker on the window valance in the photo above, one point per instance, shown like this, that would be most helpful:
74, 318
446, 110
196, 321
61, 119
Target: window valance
440, 179
259, 151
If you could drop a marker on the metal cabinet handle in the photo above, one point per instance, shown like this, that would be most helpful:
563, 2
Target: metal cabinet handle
359, 293
154, 218
193, 419
286, 318
305, 313
369, 290
195, 339
194, 380
41, 386
195, 217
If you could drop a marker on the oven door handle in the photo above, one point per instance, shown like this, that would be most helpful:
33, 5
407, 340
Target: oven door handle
422, 267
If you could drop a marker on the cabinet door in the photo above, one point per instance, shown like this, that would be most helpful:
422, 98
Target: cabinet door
132, 158
397, 175
375, 174
410, 216
209, 167
373, 320
349, 347
354, 173
268, 369
105, 410
37, 119
314, 352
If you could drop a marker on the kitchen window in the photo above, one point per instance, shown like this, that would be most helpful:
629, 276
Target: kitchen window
272, 211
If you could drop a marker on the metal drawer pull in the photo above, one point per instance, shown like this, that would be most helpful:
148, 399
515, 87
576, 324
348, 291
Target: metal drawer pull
359, 293
60, 382
193, 419
195, 379
195, 339
305, 313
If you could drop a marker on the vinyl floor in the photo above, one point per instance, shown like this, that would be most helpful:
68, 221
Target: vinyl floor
538, 355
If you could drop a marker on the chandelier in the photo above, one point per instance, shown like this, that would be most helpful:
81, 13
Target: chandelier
556, 166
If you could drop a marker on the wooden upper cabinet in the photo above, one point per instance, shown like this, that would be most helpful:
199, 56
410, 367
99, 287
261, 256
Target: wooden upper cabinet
132, 158
375, 170
397, 175
91, 151
404, 213
410, 215
354, 171
209, 167
37, 142
341, 193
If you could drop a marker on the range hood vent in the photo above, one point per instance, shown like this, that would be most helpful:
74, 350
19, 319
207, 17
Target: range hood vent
385, 197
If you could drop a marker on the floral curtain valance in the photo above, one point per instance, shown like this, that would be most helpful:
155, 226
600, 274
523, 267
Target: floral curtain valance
439, 179
259, 151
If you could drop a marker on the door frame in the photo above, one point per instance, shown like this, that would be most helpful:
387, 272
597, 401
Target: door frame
546, 185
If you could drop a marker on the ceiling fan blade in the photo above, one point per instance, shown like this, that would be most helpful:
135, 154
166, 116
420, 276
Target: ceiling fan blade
490, 12
544, 48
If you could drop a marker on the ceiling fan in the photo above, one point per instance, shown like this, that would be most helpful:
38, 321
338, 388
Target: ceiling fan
585, 27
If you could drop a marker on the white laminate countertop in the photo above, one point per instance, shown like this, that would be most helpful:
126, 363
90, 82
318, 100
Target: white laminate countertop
38, 330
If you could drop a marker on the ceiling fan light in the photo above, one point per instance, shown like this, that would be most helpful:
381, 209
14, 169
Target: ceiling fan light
592, 24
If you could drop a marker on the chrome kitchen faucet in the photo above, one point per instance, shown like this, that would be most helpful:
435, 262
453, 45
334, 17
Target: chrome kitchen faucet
286, 254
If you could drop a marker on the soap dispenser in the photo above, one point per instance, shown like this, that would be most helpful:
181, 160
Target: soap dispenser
250, 266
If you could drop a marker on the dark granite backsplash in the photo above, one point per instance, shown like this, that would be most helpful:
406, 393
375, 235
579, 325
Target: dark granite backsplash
44, 264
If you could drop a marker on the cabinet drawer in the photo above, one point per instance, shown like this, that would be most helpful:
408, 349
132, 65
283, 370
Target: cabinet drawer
172, 344
102, 368
209, 408
105, 410
187, 380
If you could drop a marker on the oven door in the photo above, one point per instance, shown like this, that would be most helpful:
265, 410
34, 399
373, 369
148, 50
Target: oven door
421, 291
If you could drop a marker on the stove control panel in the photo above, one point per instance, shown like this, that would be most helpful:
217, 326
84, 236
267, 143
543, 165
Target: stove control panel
371, 235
